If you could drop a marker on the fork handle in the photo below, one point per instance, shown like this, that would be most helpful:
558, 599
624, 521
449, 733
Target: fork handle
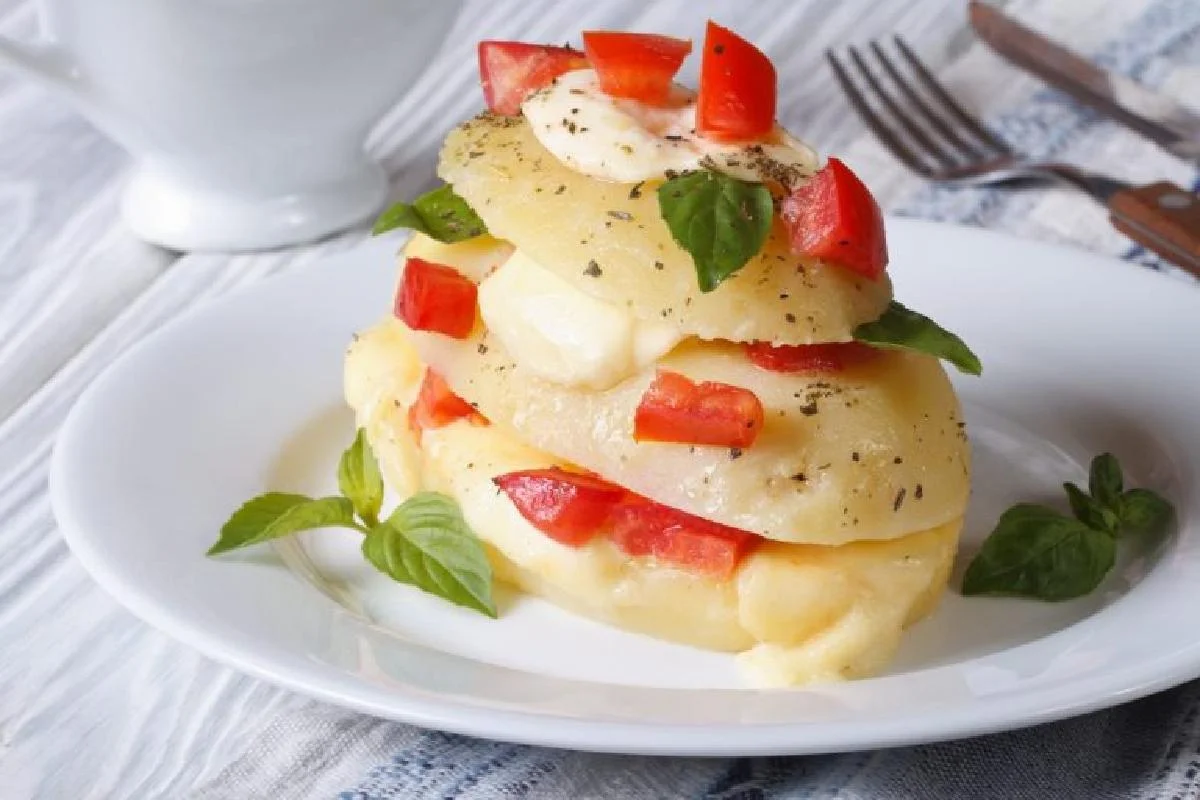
1162, 217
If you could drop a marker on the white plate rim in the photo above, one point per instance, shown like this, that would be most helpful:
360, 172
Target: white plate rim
987, 715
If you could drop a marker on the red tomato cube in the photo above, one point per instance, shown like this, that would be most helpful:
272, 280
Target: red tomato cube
641, 527
835, 218
674, 409
736, 101
434, 297
640, 66
569, 507
833, 357
511, 71
437, 406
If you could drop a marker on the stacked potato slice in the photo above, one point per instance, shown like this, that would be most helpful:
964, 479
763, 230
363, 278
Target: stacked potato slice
857, 482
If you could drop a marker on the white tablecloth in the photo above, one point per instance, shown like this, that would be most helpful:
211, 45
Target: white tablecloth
94, 704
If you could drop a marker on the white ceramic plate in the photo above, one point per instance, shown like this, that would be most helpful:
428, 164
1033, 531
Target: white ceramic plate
1081, 355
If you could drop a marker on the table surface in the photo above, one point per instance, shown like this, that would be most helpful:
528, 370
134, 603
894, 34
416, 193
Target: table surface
93, 703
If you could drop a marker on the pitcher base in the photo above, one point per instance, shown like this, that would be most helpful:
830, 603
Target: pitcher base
166, 212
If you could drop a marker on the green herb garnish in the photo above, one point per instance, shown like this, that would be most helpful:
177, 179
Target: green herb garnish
904, 329
360, 481
425, 542
275, 514
440, 214
1037, 552
720, 221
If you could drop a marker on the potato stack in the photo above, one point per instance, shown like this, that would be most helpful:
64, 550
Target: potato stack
845, 505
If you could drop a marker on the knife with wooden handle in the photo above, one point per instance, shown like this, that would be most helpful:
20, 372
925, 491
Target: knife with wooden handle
1161, 119
1162, 217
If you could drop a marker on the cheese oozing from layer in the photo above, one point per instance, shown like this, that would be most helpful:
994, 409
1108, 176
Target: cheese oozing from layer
626, 141
561, 334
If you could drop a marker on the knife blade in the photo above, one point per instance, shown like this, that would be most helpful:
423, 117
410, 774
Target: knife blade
1160, 119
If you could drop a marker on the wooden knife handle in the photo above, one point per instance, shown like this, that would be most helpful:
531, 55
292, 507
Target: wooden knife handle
1162, 217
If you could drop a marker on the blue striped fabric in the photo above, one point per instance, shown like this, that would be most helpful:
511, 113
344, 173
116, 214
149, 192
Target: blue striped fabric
1147, 749
1051, 126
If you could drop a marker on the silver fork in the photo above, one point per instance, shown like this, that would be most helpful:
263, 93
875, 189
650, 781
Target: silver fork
916, 119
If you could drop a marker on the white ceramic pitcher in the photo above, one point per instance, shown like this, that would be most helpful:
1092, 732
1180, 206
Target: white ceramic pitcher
246, 118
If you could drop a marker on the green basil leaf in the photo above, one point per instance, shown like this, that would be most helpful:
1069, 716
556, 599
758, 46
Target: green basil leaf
400, 215
1037, 552
440, 214
427, 543
720, 221
904, 329
276, 514
1105, 481
360, 481
1144, 512
1089, 512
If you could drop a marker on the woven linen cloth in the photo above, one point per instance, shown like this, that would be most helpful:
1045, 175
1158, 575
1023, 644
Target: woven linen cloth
1146, 749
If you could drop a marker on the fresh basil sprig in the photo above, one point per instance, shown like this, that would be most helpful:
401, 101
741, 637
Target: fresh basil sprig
904, 329
425, 542
1134, 511
275, 514
360, 481
440, 214
720, 221
1037, 552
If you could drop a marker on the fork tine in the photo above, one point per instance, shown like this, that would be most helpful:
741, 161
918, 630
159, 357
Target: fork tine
936, 89
934, 119
872, 120
914, 131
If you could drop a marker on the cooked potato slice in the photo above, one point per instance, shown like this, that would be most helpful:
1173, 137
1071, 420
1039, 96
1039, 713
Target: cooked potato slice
382, 377
875, 452
476, 258
610, 241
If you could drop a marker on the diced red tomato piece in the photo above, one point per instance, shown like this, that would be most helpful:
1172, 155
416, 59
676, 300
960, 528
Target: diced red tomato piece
635, 65
809, 357
834, 217
573, 508
736, 101
641, 527
434, 297
674, 409
436, 406
569, 507
511, 71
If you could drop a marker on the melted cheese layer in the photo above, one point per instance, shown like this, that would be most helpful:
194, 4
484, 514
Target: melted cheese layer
563, 335
795, 613
623, 140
